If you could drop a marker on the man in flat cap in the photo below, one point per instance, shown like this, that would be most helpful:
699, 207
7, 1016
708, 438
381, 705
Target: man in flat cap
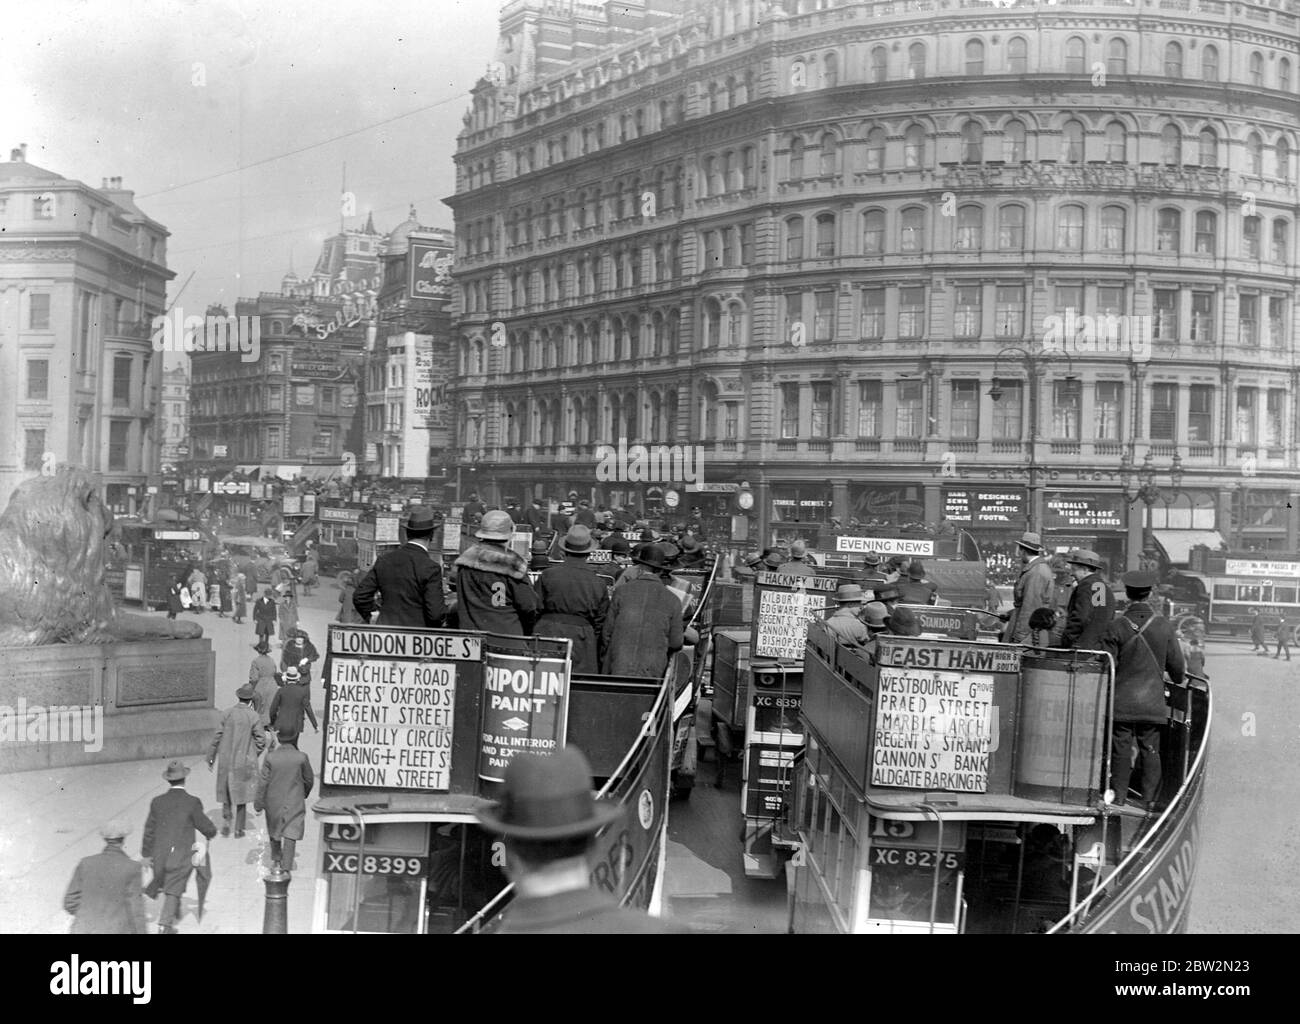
234, 752
169, 844
105, 895
1033, 590
548, 819
1091, 606
1144, 647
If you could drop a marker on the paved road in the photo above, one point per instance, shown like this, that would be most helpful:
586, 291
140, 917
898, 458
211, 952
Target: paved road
1250, 839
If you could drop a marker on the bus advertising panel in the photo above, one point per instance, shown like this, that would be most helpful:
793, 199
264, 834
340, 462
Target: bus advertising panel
525, 706
784, 604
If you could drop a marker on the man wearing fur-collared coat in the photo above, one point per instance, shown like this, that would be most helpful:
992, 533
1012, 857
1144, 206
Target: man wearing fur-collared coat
492, 589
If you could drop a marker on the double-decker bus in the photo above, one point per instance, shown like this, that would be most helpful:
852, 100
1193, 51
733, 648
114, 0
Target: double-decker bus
1238, 584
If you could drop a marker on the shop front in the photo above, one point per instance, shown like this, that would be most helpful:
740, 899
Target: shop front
1087, 519
799, 512
897, 506
712, 509
996, 517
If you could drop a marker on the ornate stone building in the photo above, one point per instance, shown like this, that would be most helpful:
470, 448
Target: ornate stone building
896, 261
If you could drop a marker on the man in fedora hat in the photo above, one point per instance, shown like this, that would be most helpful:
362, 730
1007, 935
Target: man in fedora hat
548, 820
492, 589
620, 558
888, 595
105, 896
168, 843
692, 555
1144, 647
234, 752
283, 787
1091, 605
916, 589
844, 623
408, 579
876, 618
903, 622
873, 575
584, 516
644, 625
1033, 590
265, 614
291, 703
574, 601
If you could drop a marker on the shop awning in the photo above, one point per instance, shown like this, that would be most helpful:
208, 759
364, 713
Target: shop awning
1177, 544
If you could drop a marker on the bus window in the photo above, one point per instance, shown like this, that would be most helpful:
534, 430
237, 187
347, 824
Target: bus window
391, 871
903, 892
464, 873
1284, 595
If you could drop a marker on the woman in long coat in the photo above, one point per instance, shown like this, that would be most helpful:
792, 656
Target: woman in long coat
239, 597
235, 749
288, 617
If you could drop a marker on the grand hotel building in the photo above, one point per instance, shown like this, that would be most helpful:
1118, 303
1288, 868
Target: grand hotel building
826, 242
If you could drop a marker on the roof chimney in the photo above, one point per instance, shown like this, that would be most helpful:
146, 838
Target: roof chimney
115, 182
105, 184
19, 155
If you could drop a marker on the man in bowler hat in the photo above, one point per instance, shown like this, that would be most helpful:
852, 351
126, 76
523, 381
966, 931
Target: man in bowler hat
548, 819
104, 896
282, 790
408, 580
644, 626
168, 843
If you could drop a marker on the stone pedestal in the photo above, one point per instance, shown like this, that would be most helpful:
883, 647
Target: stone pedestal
65, 705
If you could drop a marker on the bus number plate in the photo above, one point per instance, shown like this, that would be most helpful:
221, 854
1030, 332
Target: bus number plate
384, 864
895, 857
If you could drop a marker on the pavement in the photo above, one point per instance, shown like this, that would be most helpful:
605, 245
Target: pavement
51, 818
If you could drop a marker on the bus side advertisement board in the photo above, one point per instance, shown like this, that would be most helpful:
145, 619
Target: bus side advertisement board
526, 705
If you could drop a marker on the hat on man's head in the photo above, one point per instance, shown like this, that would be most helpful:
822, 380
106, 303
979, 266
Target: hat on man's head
245, 692
692, 552
584, 503
175, 771
578, 540
1031, 542
421, 520
849, 593
292, 675
772, 558
620, 546
798, 549
916, 571
903, 623
115, 829
496, 525
262, 647
653, 556
1139, 580
875, 615
548, 798
871, 558
1082, 556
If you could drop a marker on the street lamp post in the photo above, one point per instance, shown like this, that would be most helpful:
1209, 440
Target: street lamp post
1035, 367
1148, 492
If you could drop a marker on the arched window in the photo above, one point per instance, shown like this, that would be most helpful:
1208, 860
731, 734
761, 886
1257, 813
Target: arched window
1281, 236
632, 328
1069, 228
876, 149
796, 158
1169, 230
825, 235
911, 230
1018, 56
972, 143
1072, 143
657, 334
1011, 228
708, 175
830, 71
1257, 68
1171, 145
974, 57
748, 164
827, 154
1207, 149
914, 146
735, 319
1282, 159
1114, 222
1075, 55
1116, 142
970, 228
1117, 57
711, 337
656, 417
1250, 230
879, 64
1255, 154
794, 238
916, 60
1210, 63
1013, 143
873, 232
1284, 75
1173, 60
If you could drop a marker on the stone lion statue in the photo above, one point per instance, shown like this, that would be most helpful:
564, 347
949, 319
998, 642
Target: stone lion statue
53, 538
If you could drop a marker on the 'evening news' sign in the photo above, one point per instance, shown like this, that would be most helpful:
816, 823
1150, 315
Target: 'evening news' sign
933, 730
525, 707
784, 604
392, 699
884, 546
